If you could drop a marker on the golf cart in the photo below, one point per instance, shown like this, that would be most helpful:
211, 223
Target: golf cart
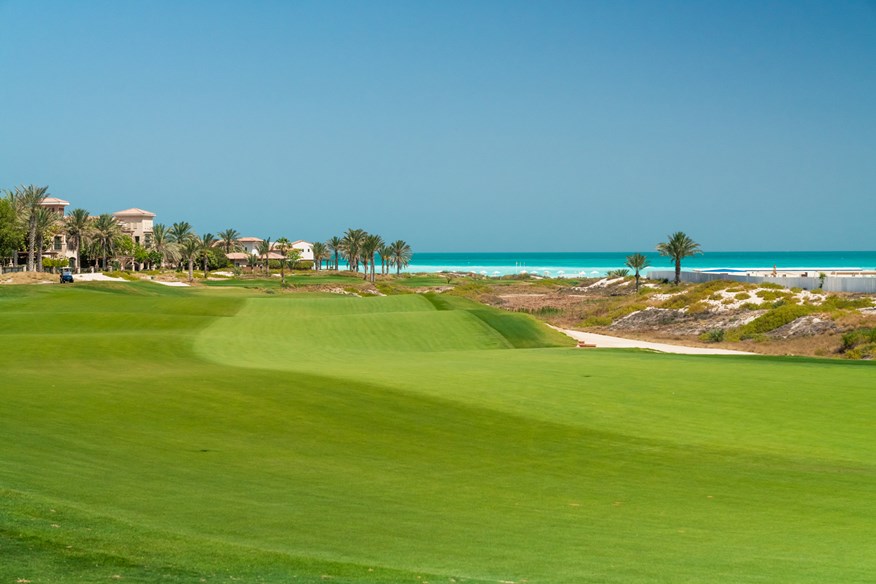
66, 276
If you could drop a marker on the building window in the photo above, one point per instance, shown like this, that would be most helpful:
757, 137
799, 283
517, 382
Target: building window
57, 243
147, 237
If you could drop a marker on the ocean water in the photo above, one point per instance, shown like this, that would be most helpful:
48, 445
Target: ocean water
594, 264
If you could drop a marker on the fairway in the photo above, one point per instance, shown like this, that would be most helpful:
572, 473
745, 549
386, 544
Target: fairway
183, 435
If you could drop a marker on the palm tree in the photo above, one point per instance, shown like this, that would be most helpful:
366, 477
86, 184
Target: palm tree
335, 244
180, 231
351, 244
107, 232
29, 199
264, 250
637, 262
282, 246
189, 250
320, 253
369, 246
401, 255
385, 258
46, 223
163, 244
678, 247
77, 227
208, 241
229, 238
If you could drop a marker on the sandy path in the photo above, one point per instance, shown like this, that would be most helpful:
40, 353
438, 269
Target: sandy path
608, 342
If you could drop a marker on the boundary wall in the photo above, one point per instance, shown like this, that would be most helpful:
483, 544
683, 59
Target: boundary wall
855, 284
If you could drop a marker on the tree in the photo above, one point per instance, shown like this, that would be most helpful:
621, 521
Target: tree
637, 262
369, 246
207, 242
401, 255
164, 245
385, 259
282, 246
29, 199
677, 248
335, 244
189, 250
320, 253
77, 227
229, 238
351, 243
180, 231
106, 235
46, 223
264, 250
11, 234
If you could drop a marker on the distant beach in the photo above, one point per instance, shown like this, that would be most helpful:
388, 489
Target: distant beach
597, 264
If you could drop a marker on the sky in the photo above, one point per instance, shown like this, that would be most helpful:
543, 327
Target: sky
454, 125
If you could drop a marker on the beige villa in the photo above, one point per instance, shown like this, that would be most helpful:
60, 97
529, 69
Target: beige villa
250, 247
136, 223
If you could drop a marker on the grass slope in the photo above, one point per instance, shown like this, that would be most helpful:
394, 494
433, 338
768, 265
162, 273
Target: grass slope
181, 435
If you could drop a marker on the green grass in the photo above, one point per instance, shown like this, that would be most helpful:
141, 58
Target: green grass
180, 435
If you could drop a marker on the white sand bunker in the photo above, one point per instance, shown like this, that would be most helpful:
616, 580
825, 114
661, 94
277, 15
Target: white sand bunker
175, 284
96, 277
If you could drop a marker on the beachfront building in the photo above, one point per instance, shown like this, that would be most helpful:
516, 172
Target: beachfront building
137, 224
250, 247
305, 249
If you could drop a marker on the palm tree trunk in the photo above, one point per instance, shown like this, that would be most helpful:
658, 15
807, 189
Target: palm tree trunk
677, 272
205, 266
31, 243
637, 280
191, 269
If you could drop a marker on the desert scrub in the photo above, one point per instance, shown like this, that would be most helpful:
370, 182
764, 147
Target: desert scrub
596, 321
833, 302
859, 344
694, 295
770, 321
742, 296
713, 336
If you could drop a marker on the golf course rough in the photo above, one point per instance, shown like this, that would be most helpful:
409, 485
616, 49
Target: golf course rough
178, 435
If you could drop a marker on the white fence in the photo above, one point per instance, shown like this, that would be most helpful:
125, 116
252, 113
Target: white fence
856, 284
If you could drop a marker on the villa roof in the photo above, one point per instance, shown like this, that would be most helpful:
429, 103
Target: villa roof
249, 239
273, 256
54, 201
133, 212
300, 241
237, 255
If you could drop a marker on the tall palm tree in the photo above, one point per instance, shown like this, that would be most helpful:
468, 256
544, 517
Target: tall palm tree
77, 227
46, 224
637, 262
180, 231
335, 244
105, 237
189, 250
29, 199
351, 246
401, 254
369, 246
385, 259
320, 253
677, 248
282, 246
264, 250
208, 241
229, 238
163, 244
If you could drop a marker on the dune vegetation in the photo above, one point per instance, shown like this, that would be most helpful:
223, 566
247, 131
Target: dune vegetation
213, 435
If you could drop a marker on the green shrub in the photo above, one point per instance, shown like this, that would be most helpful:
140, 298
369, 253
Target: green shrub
772, 286
773, 319
619, 273
742, 296
596, 321
713, 336
750, 306
833, 302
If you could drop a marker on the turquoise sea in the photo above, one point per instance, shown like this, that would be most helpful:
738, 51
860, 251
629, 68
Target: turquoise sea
592, 264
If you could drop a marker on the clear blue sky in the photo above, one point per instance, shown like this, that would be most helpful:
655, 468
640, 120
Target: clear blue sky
457, 126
